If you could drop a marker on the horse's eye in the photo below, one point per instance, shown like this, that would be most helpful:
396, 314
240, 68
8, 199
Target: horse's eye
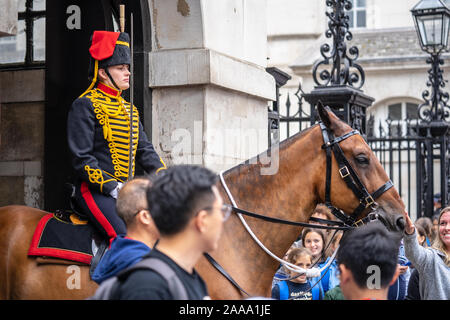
362, 159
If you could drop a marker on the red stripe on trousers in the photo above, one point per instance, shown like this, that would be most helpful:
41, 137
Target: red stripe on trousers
98, 214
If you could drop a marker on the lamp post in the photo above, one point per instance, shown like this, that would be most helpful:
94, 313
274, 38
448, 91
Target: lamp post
432, 22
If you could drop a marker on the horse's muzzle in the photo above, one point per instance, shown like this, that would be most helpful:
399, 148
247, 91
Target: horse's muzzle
393, 222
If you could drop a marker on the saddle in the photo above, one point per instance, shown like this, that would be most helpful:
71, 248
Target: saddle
66, 237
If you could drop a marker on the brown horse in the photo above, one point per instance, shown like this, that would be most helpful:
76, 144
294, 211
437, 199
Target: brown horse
292, 194
21, 277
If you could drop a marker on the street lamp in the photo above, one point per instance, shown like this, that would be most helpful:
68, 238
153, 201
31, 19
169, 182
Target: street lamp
432, 18
432, 21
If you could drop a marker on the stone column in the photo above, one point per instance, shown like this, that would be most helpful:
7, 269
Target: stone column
210, 87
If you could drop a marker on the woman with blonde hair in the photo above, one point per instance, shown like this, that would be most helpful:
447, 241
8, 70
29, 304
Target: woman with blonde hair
432, 263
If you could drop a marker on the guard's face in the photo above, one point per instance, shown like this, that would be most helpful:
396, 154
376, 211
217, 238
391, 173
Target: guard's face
121, 75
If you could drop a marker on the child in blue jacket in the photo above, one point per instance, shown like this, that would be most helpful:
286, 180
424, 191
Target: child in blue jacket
299, 288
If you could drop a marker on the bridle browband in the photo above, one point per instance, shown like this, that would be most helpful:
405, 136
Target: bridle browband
348, 174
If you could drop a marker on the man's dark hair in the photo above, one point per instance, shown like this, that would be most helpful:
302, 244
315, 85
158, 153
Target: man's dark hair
177, 194
370, 245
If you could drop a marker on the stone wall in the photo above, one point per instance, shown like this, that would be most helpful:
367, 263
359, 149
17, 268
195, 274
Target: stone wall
8, 18
22, 103
210, 87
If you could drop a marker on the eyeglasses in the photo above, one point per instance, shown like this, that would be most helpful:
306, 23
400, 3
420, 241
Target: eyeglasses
225, 209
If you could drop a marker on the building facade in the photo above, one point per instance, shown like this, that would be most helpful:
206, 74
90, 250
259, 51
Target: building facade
202, 86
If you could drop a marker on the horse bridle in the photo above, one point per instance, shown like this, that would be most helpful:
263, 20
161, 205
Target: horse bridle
347, 173
353, 182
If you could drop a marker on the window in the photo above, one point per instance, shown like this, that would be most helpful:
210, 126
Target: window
357, 16
27, 48
394, 118
399, 115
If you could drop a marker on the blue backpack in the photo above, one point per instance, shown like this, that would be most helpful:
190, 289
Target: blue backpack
284, 290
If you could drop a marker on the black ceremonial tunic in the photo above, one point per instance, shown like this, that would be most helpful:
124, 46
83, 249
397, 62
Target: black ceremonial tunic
98, 135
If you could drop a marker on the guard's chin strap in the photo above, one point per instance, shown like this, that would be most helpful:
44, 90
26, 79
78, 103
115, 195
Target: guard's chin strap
112, 80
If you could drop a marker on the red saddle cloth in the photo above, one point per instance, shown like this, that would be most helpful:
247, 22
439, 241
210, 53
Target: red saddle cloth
60, 239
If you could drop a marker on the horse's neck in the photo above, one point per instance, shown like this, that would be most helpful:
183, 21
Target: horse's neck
291, 187
289, 194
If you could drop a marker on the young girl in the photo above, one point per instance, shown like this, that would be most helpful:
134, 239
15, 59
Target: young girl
282, 272
315, 240
299, 288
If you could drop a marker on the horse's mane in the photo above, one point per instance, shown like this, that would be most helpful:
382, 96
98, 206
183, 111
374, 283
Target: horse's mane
283, 145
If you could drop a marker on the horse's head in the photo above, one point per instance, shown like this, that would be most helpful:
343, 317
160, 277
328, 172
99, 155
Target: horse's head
352, 160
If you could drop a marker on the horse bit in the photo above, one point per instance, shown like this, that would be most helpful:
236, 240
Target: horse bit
349, 175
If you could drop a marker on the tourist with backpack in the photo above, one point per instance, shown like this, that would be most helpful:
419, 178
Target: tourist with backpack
141, 236
189, 213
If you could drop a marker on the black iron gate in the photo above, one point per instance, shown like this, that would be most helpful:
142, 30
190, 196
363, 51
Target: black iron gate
412, 159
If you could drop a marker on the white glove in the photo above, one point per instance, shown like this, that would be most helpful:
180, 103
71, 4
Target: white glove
115, 192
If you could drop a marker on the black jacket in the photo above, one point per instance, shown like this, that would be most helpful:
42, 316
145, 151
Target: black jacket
98, 135
150, 285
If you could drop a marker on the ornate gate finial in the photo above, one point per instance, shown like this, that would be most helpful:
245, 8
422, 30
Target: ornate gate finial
344, 70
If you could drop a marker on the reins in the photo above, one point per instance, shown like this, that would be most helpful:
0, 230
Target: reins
311, 273
341, 225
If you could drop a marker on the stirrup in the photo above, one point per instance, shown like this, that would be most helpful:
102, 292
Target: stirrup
102, 245
69, 190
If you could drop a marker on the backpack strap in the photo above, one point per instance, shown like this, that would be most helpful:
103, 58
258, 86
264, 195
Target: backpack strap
176, 287
108, 290
284, 290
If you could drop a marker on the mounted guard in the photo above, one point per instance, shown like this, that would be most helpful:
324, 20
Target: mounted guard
98, 128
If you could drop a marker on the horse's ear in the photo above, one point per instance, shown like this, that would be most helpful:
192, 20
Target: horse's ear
330, 120
323, 114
